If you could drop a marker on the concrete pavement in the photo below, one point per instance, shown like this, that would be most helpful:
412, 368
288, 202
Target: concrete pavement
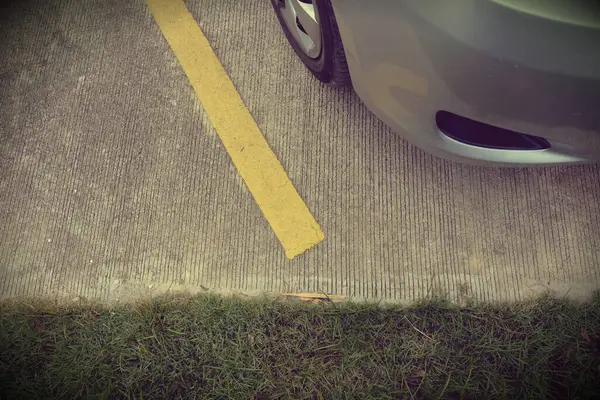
114, 184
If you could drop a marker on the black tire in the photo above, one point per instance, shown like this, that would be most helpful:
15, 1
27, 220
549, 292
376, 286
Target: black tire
331, 66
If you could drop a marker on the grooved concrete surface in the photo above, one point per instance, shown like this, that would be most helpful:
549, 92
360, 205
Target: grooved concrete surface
114, 185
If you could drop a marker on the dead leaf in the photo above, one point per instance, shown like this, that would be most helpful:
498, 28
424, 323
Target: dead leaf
414, 380
419, 373
584, 335
316, 298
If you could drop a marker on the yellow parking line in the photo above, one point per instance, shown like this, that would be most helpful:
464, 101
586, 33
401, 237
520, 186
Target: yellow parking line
264, 175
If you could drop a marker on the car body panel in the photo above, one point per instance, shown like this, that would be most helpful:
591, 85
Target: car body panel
481, 59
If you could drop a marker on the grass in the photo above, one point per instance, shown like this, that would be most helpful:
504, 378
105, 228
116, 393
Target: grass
211, 347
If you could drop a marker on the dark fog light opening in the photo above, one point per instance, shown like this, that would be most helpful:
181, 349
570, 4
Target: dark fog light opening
477, 133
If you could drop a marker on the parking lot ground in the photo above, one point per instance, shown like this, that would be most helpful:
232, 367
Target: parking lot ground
115, 184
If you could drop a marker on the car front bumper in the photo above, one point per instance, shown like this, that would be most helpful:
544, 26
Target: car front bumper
533, 74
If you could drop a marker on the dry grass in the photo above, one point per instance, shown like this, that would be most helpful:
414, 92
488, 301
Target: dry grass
231, 348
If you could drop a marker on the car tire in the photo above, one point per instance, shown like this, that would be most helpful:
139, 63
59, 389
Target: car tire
330, 65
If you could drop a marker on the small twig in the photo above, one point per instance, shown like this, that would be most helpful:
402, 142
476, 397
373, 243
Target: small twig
417, 329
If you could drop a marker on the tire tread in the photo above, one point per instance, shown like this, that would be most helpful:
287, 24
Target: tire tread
340, 76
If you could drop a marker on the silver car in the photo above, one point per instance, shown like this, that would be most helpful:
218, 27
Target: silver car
500, 82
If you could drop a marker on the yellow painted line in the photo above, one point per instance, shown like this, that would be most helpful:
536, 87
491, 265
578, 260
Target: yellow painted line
264, 175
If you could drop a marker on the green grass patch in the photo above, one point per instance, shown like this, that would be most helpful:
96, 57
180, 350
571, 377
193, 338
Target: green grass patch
213, 347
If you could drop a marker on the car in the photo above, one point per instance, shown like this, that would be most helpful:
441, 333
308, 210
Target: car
493, 82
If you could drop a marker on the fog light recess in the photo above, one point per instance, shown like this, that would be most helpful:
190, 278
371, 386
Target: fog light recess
479, 134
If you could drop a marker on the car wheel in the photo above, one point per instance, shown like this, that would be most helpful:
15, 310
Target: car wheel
310, 27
